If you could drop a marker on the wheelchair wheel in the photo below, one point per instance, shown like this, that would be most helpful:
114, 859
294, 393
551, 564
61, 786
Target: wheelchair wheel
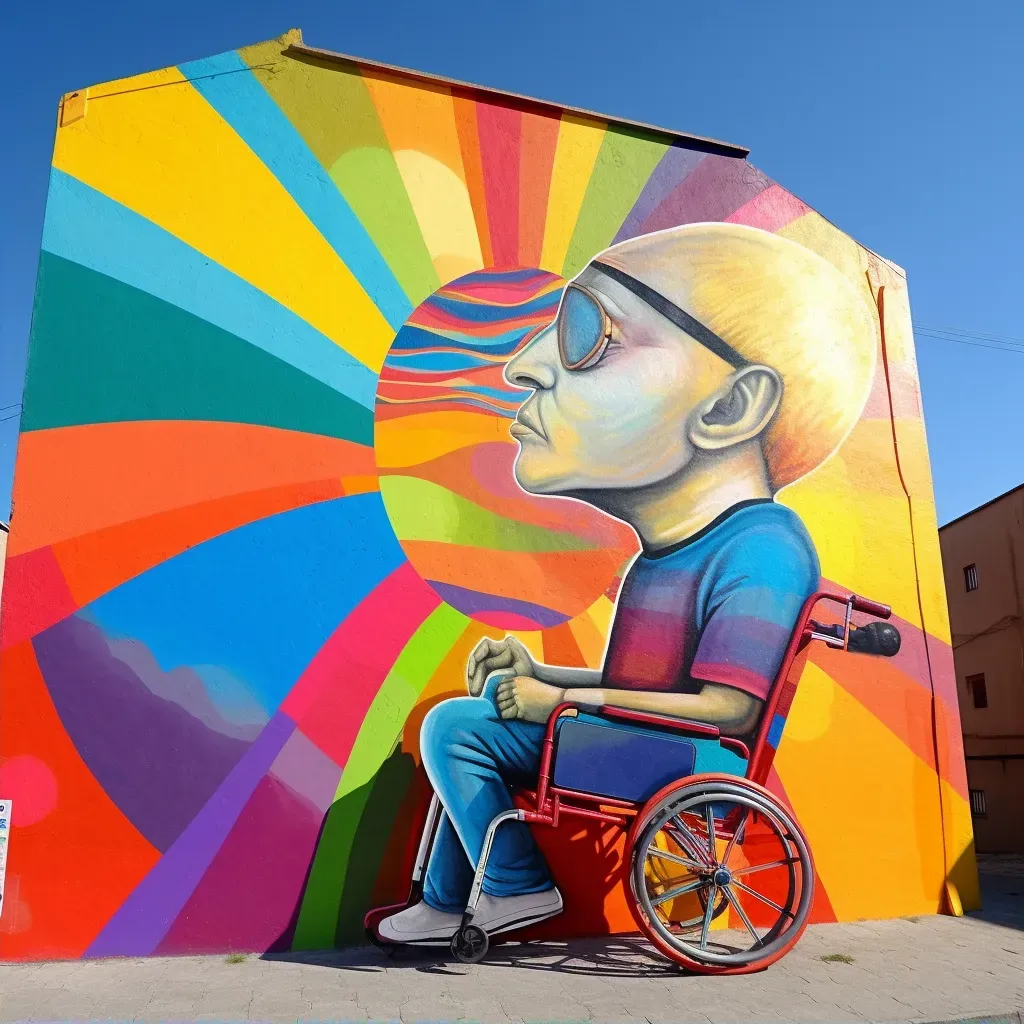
720, 844
469, 944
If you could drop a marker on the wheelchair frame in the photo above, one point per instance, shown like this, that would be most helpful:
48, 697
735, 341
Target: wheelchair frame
549, 803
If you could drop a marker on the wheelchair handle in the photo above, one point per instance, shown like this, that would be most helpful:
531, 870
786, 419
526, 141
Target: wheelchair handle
868, 607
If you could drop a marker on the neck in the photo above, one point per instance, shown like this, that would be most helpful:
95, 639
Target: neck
675, 509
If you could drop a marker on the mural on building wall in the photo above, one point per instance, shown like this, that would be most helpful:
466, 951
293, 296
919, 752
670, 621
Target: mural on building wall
266, 502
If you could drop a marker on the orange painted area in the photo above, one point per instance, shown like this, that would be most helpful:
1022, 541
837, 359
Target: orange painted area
69, 871
564, 581
560, 647
75, 480
421, 437
469, 144
589, 639
868, 804
538, 142
99, 561
418, 116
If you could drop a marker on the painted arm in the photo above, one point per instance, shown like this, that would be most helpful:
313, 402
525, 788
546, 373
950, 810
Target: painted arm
491, 655
733, 711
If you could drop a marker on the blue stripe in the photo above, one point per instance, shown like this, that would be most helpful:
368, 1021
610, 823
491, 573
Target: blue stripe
228, 85
775, 732
260, 601
90, 229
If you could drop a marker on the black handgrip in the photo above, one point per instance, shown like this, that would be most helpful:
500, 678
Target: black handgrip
862, 604
875, 638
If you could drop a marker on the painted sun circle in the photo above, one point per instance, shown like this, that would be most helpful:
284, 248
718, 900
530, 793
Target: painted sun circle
445, 462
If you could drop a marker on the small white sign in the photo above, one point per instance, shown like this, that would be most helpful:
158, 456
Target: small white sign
5, 832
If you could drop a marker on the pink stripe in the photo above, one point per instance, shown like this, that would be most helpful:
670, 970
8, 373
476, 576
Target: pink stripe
771, 210
331, 698
499, 129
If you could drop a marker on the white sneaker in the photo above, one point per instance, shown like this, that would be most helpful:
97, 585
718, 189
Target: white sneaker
503, 913
419, 924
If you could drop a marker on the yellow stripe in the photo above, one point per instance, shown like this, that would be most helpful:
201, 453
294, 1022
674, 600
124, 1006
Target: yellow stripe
579, 141
869, 806
420, 437
157, 147
589, 639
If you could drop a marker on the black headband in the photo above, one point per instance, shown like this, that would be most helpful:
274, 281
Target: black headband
671, 312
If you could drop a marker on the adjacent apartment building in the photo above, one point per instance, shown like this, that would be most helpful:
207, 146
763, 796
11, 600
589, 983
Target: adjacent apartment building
983, 558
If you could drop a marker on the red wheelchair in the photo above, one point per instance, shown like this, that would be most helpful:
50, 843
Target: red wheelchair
698, 847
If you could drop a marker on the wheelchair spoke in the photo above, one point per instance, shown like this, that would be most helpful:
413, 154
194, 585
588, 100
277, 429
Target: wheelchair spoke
736, 837
709, 818
689, 842
735, 904
764, 867
763, 899
676, 859
708, 914
679, 890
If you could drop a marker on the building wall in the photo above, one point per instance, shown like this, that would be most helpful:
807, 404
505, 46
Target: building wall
988, 639
255, 540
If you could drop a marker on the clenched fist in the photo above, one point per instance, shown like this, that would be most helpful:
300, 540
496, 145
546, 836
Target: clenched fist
527, 699
489, 655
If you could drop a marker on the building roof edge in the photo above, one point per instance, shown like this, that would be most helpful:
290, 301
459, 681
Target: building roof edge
711, 145
991, 501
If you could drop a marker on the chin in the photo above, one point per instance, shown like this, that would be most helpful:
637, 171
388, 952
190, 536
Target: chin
539, 475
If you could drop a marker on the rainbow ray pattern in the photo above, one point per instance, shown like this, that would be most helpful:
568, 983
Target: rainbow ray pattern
264, 508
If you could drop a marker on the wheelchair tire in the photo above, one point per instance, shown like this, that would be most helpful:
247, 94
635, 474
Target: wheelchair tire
469, 944
715, 831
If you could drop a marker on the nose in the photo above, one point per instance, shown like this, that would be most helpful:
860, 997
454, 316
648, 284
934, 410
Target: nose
537, 365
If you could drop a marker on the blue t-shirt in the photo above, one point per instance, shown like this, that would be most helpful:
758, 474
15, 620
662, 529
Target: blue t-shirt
717, 607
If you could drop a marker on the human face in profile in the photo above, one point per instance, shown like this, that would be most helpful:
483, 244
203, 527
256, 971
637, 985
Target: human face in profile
619, 421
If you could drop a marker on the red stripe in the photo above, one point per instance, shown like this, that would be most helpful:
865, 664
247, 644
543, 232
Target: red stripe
500, 130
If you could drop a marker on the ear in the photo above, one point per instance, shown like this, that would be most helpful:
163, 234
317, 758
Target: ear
739, 410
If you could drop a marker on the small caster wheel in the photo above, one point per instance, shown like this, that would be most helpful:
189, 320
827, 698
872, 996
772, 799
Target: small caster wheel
469, 944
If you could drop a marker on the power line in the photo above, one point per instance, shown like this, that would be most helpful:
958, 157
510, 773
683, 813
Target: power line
965, 336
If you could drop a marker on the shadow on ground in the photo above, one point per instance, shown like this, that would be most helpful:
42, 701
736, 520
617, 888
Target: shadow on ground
1002, 887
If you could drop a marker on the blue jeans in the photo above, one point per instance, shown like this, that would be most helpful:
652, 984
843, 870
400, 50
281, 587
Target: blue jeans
472, 756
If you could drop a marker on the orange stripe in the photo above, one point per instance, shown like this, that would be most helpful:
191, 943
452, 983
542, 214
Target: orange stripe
70, 869
76, 480
537, 157
94, 563
469, 141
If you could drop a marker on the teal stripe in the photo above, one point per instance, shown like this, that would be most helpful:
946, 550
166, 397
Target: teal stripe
85, 227
228, 85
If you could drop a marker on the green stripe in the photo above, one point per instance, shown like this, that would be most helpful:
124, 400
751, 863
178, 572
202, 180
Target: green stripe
332, 110
103, 352
422, 510
318, 917
625, 161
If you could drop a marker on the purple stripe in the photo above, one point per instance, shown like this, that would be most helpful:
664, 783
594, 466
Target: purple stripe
675, 166
719, 186
145, 917
470, 601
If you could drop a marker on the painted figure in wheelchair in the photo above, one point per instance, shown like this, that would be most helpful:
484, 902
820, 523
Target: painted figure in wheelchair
690, 374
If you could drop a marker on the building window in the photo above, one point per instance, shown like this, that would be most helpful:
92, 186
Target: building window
976, 687
978, 807
971, 576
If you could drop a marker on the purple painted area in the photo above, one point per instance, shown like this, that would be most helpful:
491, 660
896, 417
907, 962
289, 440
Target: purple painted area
304, 767
144, 918
157, 762
674, 167
185, 687
719, 185
249, 895
472, 601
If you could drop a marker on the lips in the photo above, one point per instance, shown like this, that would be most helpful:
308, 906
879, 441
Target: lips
525, 425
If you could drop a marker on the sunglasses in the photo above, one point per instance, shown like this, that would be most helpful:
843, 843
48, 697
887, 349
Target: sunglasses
585, 328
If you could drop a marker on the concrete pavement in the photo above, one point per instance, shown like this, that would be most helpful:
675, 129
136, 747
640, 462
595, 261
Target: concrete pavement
924, 969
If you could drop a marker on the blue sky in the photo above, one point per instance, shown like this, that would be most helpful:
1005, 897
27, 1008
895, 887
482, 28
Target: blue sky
900, 122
